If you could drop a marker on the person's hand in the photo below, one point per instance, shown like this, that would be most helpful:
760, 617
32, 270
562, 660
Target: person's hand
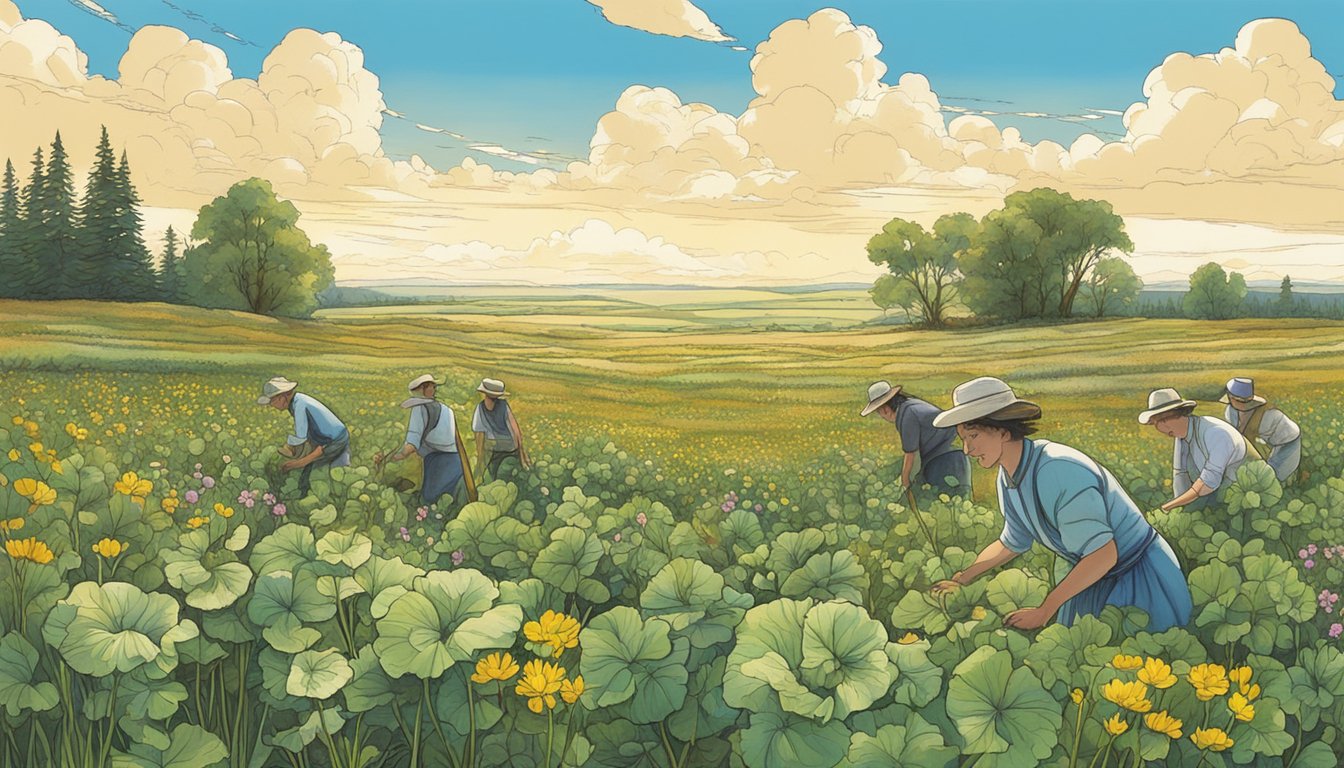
1170, 505
379, 459
1027, 618
947, 586
526, 461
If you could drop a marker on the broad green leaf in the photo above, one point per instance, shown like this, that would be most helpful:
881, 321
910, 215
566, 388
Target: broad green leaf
1001, 710
627, 659
318, 674
190, 746
916, 744
19, 690
774, 740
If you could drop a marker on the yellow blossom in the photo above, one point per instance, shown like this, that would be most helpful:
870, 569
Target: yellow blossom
539, 683
36, 491
134, 486
1127, 663
495, 667
571, 690
223, 511
1157, 673
37, 449
1209, 680
198, 521
554, 629
1239, 675
1251, 692
1211, 738
29, 549
1130, 695
109, 548
13, 524
171, 503
1161, 722
1241, 707
14, 454
1077, 695
1116, 726
908, 638
17, 421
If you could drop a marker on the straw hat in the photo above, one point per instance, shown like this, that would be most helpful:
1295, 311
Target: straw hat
985, 397
274, 388
878, 394
420, 381
1163, 400
1242, 389
492, 387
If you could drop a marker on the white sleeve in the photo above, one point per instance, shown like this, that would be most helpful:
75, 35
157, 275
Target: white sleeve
1277, 429
477, 423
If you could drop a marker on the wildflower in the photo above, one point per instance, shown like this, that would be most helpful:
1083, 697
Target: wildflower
1302, 554
405, 534
13, 524
1076, 695
14, 454
109, 548
1309, 564
495, 667
208, 481
36, 491
1163, 723
223, 511
1209, 680
421, 513
198, 521
571, 690
979, 613
1115, 725
458, 556
784, 500
134, 486
1211, 738
192, 497
1127, 663
1241, 707
279, 510
17, 421
539, 683
1157, 673
1311, 549
554, 629
29, 549
1130, 695
617, 538
642, 519
908, 638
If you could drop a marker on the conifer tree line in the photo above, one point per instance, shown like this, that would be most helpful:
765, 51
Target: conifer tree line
58, 244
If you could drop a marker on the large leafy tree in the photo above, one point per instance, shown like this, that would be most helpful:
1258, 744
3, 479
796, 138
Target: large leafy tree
1005, 276
1213, 294
1111, 286
923, 263
253, 256
1075, 236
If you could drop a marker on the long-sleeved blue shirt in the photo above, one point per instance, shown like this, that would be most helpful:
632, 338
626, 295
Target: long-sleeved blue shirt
313, 421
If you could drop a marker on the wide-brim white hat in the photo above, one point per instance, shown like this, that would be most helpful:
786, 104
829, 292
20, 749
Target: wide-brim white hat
879, 393
274, 388
1163, 400
985, 397
420, 381
492, 387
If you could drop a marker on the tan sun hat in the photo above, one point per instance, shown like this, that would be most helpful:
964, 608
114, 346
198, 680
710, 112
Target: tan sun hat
879, 393
492, 387
274, 388
420, 381
1162, 400
985, 397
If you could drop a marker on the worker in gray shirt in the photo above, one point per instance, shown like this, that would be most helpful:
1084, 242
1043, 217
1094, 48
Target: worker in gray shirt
1258, 419
942, 464
432, 433
1208, 452
496, 430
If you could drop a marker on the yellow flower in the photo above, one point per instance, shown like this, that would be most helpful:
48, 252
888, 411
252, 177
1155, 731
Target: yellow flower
1241, 707
12, 524
31, 428
908, 638
1239, 675
1251, 692
132, 485
554, 629
1157, 673
784, 500
198, 521
1209, 680
56, 466
29, 549
1211, 738
223, 511
171, 503
978, 613
1132, 695
14, 454
539, 683
109, 548
1077, 695
1161, 722
571, 690
37, 449
36, 491
495, 667
1115, 726
17, 421
1127, 663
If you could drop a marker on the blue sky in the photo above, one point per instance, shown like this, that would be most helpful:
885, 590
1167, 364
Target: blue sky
536, 74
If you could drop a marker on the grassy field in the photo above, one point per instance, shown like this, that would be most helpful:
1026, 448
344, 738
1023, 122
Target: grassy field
699, 397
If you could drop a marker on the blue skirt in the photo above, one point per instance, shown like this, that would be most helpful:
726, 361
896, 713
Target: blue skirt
443, 471
1151, 581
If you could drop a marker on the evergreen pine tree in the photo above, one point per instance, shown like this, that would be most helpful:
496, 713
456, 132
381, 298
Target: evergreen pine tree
133, 267
1286, 304
57, 274
97, 228
29, 241
170, 273
13, 264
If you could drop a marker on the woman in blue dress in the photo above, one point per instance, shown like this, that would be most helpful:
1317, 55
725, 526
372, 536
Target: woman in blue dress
1055, 496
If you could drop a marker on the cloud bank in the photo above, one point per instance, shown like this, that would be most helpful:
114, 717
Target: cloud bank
675, 18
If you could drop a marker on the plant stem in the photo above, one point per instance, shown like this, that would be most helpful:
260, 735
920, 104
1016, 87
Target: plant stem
415, 740
471, 737
1077, 735
438, 725
667, 745
326, 737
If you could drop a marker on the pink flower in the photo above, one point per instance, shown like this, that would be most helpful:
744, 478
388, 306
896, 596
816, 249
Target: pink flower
196, 474
192, 497
642, 519
422, 513
1309, 564
269, 498
1302, 553
198, 465
245, 496
758, 507
1311, 549
208, 481
616, 538
405, 534
1336, 630
458, 557
278, 510
249, 503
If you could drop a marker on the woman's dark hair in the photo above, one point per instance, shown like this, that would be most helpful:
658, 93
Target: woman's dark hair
1184, 410
1016, 428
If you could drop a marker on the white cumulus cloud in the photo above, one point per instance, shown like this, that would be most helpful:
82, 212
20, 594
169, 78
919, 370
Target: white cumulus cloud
675, 18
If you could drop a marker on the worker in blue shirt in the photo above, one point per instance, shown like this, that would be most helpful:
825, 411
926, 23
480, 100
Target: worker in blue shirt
314, 425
